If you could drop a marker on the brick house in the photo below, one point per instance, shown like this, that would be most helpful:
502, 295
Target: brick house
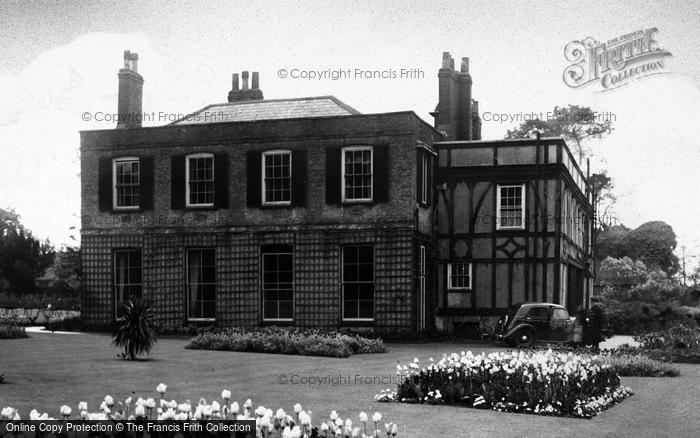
305, 212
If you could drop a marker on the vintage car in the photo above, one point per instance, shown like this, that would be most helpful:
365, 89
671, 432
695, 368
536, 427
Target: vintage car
527, 323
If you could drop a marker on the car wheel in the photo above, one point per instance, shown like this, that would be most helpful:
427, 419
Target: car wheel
524, 339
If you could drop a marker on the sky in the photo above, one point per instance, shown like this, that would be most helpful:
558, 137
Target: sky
60, 60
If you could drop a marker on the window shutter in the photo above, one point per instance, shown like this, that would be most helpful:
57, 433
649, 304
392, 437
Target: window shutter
299, 164
419, 175
381, 173
221, 180
253, 186
431, 181
146, 182
177, 182
104, 184
333, 175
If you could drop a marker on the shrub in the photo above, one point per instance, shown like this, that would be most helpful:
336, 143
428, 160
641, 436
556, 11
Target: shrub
134, 332
539, 382
12, 331
70, 324
279, 340
57, 300
637, 365
678, 337
676, 344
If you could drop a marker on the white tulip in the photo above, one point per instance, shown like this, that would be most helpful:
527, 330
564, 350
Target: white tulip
65, 410
377, 417
140, 411
297, 408
7, 413
363, 417
226, 394
161, 388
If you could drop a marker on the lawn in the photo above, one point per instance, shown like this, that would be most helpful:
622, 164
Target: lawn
48, 370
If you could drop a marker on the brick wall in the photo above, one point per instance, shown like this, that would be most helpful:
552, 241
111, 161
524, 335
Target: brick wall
399, 132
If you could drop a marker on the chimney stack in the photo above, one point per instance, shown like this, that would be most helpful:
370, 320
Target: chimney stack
454, 112
129, 105
244, 92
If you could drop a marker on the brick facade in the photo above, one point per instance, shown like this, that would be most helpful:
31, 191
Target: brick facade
316, 230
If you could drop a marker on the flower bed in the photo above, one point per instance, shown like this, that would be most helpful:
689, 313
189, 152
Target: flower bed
268, 423
540, 382
11, 329
304, 342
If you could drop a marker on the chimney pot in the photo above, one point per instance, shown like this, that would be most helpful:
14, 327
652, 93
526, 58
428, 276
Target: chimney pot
245, 92
465, 65
446, 59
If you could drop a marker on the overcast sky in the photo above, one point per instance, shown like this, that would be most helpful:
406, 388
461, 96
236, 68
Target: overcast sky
61, 60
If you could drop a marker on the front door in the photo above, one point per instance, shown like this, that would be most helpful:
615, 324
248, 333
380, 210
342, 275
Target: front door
574, 289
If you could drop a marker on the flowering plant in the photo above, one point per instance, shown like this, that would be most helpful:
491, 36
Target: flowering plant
539, 382
268, 423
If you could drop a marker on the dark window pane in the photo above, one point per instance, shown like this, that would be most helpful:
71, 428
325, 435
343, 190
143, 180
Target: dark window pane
366, 309
285, 310
350, 309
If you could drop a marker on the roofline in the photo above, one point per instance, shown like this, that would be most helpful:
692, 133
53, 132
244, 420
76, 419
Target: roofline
171, 126
528, 141
337, 101
503, 140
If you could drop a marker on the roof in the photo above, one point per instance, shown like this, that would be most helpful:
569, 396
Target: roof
251, 110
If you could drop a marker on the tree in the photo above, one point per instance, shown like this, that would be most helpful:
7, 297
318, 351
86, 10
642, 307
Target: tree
603, 198
574, 123
653, 243
67, 268
23, 258
622, 272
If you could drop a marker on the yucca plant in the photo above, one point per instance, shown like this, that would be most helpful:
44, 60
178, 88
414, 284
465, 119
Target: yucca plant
135, 333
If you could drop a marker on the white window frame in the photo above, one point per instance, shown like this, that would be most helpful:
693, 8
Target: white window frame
342, 283
187, 178
115, 161
187, 282
262, 173
425, 174
498, 207
449, 277
342, 176
262, 286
